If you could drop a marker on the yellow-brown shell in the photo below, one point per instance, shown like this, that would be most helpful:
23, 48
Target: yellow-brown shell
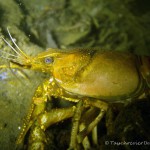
103, 75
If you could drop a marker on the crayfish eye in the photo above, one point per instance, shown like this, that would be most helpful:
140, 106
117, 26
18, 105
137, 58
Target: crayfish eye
48, 60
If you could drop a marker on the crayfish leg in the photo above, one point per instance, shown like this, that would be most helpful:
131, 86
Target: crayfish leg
75, 126
37, 107
91, 126
37, 139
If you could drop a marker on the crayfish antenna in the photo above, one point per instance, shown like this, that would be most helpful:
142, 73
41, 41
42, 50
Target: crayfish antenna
12, 39
10, 46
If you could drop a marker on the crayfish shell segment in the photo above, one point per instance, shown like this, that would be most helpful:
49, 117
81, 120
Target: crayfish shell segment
108, 75
145, 69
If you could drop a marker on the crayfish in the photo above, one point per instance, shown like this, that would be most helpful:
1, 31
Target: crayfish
91, 78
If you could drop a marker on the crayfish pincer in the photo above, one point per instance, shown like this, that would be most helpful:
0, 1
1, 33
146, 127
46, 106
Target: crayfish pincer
91, 78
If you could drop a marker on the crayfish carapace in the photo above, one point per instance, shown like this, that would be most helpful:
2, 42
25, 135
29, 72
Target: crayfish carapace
88, 77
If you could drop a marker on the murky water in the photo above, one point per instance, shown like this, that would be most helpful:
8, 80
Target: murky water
37, 25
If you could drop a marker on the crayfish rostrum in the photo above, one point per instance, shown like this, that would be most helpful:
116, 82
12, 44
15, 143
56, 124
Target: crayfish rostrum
91, 78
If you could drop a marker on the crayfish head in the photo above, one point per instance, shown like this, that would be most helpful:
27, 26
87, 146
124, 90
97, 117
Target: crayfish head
62, 64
